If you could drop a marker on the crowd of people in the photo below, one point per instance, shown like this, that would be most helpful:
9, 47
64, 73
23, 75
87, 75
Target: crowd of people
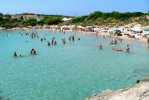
32, 52
53, 42
114, 42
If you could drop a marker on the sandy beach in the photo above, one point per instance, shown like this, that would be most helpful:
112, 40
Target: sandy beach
143, 40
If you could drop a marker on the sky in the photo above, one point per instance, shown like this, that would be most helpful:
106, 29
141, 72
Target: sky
72, 7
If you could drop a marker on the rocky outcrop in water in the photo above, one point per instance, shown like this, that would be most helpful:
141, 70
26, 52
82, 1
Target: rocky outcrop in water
140, 91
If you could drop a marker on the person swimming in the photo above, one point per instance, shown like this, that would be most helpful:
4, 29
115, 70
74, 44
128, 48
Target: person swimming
49, 43
55, 42
33, 51
41, 39
15, 54
112, 42
32, 36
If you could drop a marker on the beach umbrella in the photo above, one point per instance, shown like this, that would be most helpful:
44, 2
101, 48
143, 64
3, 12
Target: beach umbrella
117, 31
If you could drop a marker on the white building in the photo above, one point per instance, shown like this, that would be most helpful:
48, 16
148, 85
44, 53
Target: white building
66, 19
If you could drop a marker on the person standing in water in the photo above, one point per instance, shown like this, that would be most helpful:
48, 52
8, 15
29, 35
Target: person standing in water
96, 34
115, 41
72, 38
127, 49
64, 41
44, 38
69, 38
79, 39
55, 42
100, 46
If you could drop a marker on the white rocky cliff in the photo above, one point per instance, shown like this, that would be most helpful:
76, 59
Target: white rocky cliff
140, 91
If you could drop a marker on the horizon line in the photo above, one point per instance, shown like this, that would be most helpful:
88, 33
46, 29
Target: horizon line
74, 14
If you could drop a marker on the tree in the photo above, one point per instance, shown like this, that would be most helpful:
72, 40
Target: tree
79, 19
115, 15
95, 15
1, 14
29, 22
7, 16
52, 20
137, 14
106, 15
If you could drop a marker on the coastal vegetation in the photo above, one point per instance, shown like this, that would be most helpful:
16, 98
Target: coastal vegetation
8, 21
50, 20
95, 18
112, 19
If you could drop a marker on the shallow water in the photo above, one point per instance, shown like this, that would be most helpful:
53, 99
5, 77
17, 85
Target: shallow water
66, 72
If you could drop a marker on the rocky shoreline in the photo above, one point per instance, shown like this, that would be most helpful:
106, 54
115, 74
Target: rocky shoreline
139, 91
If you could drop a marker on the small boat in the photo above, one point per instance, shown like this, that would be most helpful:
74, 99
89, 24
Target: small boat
117, 49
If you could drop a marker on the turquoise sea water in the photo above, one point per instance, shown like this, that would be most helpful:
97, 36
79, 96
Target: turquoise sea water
66, 72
